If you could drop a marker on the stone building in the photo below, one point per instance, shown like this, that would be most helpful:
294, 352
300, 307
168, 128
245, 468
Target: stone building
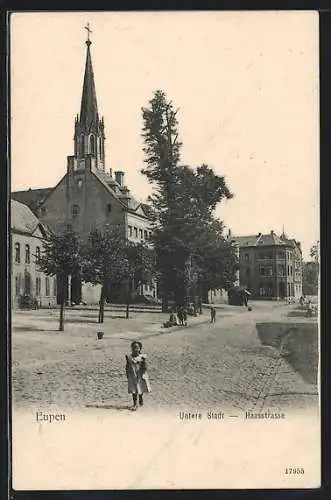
270, 265
27, 234
89, 196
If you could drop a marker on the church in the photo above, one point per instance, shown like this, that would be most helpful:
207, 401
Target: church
89, 196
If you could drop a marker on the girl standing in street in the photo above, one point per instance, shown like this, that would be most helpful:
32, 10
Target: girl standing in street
136, 372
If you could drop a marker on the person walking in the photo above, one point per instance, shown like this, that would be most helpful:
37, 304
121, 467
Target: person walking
180, 316
309, 309
184, 313
136, 373
212, 314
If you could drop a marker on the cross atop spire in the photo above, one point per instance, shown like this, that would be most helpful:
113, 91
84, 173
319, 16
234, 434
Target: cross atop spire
87, 28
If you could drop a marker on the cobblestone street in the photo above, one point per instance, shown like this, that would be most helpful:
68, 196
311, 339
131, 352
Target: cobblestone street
203, 365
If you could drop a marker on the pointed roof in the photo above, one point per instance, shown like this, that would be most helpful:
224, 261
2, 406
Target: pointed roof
89, 107
24, 221
116, 190
270, 239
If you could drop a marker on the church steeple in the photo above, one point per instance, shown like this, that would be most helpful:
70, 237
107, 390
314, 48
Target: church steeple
89, 107
89, 128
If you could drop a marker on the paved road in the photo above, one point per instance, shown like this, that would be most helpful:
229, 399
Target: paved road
204, 366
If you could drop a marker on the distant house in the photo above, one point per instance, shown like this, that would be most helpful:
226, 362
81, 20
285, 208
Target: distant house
33, 198
270, 265
27, 282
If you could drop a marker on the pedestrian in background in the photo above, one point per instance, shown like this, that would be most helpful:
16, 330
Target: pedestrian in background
136, 372
184, 312
212, 314
180, 316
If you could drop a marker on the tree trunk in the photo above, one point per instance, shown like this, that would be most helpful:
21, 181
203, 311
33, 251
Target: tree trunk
205, 294
102, 304
128, 300
63, 298
200, 298
164, 303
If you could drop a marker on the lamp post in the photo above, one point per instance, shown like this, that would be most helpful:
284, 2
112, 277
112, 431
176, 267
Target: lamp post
69, 290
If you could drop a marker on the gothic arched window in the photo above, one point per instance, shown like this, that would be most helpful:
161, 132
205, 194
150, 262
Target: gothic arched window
37, 254
18, 285
27, 254
100, 146
92, 144
17, 253
81, 145
38, 286
27, 284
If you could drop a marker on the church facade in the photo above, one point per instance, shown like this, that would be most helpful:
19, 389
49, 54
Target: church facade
89, 196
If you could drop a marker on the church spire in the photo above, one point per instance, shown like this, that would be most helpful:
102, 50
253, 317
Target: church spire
89, 108
89, 128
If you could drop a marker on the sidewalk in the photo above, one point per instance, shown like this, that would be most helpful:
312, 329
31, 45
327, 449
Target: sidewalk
138, 326
283, 385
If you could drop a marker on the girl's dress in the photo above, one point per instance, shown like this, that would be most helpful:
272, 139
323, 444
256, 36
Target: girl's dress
136, 372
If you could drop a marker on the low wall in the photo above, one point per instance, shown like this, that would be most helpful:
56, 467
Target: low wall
298, 342
42, 302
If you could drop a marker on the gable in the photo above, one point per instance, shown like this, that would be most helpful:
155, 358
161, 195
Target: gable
55, 190
111, 190
41, 231
22, 218
37, 233
81, 202
139, 211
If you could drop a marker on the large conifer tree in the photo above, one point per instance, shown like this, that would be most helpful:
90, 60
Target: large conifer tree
184, 200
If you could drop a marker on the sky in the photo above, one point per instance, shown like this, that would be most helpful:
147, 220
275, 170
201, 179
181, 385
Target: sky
246, 85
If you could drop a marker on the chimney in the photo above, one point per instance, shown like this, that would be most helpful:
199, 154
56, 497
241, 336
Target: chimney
119, 176
229, 234
125, 196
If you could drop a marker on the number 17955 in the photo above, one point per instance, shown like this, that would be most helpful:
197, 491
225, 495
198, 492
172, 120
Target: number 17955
294, 470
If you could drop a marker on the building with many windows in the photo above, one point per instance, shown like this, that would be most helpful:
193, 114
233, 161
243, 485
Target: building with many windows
270, 265
27, 282
89, 196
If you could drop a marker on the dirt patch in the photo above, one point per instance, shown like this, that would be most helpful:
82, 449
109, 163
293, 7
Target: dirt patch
298, 313
297, 342
32, 328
